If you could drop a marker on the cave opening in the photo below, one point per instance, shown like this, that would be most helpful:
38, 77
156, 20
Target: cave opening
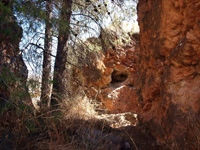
118, 76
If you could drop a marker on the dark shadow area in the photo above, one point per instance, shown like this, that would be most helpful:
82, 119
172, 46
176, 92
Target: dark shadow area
118, 76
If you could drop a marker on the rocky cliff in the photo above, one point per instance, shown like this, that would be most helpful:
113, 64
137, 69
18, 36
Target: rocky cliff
118, 94
111, 77
169, 65
13, 71
158, 78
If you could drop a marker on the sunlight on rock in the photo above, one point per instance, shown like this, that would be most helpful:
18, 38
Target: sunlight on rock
130, 27
114, 94
82, 108
120, 120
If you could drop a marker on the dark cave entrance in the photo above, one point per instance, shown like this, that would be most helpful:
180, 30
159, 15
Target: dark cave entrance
118, 76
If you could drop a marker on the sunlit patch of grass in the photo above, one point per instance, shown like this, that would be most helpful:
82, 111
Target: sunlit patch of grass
79, 107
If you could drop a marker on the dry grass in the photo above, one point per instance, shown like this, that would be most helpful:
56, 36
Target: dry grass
79, 107
75, 126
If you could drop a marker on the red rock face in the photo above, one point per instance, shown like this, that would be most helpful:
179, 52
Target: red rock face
112, 77
169, 67
120, 94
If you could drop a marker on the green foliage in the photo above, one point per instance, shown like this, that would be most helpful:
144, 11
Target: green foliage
5, 13
6, 107
8, 26
7, 78
93, 44
31, 9
13, 87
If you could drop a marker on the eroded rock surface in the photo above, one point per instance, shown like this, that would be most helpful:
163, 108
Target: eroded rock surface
112, 77
119, 94
169, 69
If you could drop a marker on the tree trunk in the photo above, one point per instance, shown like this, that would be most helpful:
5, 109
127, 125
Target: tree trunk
170, 70
60, 83
46, 74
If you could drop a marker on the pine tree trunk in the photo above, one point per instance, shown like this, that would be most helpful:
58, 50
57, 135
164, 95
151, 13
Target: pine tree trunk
60, 84
46, 74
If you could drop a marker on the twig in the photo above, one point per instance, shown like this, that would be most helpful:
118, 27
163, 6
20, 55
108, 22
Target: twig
131, 139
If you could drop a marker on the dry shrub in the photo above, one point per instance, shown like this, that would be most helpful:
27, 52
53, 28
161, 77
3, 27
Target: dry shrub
75, 125
65, 128
79, 107
21, 129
